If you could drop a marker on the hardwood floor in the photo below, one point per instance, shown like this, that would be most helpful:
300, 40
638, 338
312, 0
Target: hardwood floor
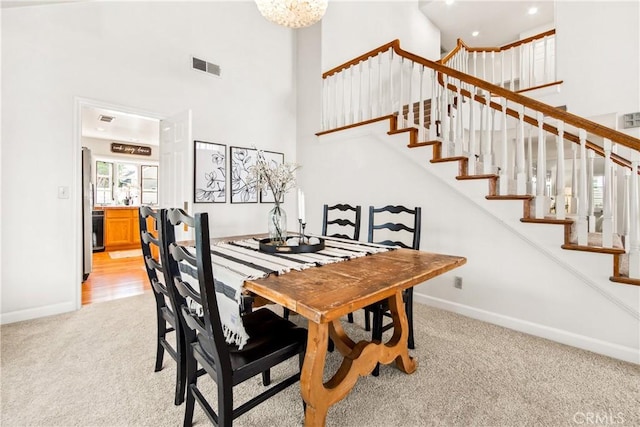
114, 278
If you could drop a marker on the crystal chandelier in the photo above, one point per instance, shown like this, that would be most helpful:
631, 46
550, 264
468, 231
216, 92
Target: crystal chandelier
293, 13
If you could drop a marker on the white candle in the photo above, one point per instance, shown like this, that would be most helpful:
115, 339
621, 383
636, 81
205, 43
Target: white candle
301, 206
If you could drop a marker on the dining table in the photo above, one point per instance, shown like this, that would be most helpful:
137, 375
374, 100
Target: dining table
323, 295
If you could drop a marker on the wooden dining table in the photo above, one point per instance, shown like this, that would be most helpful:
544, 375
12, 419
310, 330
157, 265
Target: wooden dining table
324, 294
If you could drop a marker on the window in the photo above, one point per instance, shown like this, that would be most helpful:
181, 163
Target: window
126, 183
149, 185
104, 183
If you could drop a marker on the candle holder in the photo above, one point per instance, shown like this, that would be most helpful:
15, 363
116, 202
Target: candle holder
303, 237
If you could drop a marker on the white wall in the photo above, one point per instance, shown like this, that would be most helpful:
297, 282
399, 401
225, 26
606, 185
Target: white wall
509, 279
598, 57
134, 54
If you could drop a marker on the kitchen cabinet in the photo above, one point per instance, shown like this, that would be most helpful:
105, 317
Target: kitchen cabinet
121, 228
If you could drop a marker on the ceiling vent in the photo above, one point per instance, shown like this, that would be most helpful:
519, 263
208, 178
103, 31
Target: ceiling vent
207, 67
104, 118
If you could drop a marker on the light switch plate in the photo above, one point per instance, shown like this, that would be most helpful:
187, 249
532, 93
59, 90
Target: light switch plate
63, 192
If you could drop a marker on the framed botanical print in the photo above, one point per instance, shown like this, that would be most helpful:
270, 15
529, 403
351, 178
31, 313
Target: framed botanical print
273, 160
243, 188
209, 172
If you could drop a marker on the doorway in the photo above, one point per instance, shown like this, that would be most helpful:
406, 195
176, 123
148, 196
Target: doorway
124, 150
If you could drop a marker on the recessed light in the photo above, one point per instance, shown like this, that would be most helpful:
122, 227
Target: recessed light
475, 33
532, 10
449, 1
100, 129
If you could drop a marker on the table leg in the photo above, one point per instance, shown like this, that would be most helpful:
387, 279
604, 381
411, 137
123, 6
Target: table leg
359, 360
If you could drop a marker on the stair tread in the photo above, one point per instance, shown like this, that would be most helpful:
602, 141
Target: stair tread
547, 221
485, 176
449, 159
511, 197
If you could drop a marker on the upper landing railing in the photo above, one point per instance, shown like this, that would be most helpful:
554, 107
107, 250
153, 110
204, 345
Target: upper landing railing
502, 132
523, 65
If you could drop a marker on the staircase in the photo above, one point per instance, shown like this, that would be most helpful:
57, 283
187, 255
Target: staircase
491, 133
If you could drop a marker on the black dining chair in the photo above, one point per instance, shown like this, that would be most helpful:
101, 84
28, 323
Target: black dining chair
393, 226
272, 339
151, 239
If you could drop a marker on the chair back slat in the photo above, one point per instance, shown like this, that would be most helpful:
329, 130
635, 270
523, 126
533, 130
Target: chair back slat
342, 211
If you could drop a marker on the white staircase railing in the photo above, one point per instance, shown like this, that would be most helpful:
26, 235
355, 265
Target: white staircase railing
528, 145
519, 66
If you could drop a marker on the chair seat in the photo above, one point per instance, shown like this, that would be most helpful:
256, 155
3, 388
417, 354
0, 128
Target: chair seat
271, 339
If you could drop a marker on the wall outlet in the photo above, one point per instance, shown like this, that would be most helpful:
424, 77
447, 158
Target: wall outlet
457, 283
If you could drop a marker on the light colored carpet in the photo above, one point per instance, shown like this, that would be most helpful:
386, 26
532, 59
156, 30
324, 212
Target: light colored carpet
94, 367
125, 254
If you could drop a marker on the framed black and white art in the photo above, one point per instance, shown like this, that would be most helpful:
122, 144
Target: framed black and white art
210, 172
273, 160
243, 188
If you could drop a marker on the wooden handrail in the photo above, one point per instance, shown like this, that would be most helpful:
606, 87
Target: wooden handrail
545, 109
461, 44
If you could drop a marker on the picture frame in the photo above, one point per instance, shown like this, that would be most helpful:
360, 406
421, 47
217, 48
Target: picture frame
241, 160
266, 195
209, 172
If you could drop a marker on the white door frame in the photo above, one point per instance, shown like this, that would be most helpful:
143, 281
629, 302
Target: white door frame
78, 104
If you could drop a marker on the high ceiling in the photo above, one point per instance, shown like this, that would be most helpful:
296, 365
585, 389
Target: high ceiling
498, 22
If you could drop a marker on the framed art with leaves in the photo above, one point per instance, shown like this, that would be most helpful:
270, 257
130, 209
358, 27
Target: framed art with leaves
241, 161
209, 172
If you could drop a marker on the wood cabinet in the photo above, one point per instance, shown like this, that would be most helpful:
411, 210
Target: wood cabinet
121, 228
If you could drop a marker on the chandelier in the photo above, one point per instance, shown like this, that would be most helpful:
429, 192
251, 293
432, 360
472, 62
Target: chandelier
293, 13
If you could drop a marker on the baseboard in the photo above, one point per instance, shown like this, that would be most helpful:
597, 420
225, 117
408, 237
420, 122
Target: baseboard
616, 351
33, 313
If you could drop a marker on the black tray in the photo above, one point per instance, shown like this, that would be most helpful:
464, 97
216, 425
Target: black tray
267, 246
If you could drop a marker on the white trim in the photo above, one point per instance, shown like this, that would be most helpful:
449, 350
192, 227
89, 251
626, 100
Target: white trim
33, 313
78, 104
628, 354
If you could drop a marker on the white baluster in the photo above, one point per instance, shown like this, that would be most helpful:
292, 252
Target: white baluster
481, 132
350, 117
634, 216
444, 116
459, 135
530, 184
626, 208
541, 172
433, 134
607, 212
545, 72
380, 109
323, 119
422, 132
502, 57
391, 99
410, 114
475, 63
592, 216
505, 170
560, 197
473, 151
573, 211
521, 173
370, 104
484, 65
493, 67
487, 148
513, 67
582, 227
522, 84
360, 90
400, 109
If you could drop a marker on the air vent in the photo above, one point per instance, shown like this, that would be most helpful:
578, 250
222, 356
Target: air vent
631, 120
207, 67
104, 118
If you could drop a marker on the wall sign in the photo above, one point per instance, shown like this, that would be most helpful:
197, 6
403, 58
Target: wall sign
139, 150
